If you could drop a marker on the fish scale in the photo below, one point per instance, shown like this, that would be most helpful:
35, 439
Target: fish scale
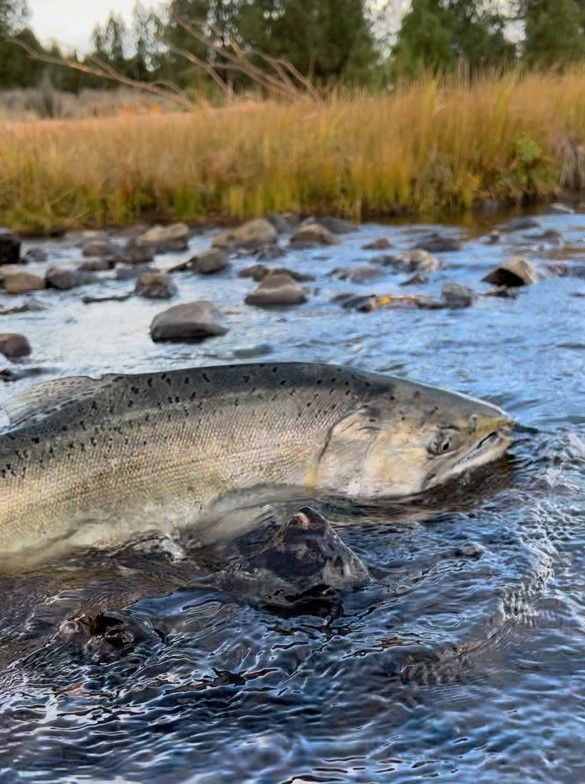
95, 460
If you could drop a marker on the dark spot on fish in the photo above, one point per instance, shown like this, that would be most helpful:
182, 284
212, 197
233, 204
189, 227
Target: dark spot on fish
236, 402
206, 378
65, 428
416, 394
149, 382
186, 380
134, 390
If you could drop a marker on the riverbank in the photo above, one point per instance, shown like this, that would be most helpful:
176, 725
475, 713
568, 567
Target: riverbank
427, 150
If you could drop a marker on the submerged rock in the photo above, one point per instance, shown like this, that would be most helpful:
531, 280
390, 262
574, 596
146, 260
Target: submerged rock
87, 299
155, 285
18, 281
14, 345
556, 208
283, 222
98, 264
362, 274
517, 271
259, 271
519, 224
100, 247
269, 252
457, 296
249, 236
314, 234
336, 225
136, 253
416, 260
438, 243
106, 634
190, 321
68, 275
382, 243
9, 247
277, 290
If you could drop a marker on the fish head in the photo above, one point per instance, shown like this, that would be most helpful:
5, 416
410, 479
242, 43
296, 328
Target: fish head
409, 440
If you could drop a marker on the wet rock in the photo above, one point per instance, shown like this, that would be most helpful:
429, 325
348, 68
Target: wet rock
335, 225
99, 247
371, 302
26, 307
261, 350
550, 237
382, 243
283, 222
458, 296
314, 234
416, 260
520, 224
135, 253
105, 635
469, 550
251, 235
192, 321
132, 273
87, 299
493, 237
68, 275
556, 208
259, 271
161, 239
363, 304
502, 291
155, 285
210, 261
13, 345
514, 272
9, 247
17, 281
360, 274
438, 243
35, 254
277, 290
98, 264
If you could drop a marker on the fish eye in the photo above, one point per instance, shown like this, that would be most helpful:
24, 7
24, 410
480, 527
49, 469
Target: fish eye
443, 442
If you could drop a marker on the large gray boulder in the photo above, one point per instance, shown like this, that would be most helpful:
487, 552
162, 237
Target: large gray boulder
277, 290
165, 238
249, 236
18, 281
192, 321
68, 275
9, 247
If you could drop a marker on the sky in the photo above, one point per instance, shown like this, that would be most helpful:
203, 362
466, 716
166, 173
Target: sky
70, 22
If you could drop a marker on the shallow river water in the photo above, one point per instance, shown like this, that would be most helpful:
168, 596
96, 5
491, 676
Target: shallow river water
463, 659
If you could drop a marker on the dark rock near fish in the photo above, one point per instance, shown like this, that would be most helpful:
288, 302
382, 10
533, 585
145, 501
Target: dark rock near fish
514, 272
155, 285
457, 296
259, 271
362, 274
9, 247
162, 239
438, 243
13, 345
18, 281
382, 243
136, 253
67, 275
276, 291
314, 234
192, 321
250, 236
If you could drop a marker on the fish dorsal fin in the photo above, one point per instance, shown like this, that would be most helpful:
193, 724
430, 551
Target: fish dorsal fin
41, 400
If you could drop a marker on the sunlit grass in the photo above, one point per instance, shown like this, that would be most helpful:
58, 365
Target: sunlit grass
430, 147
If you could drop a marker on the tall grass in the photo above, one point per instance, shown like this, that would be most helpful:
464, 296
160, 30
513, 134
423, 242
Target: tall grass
430, 147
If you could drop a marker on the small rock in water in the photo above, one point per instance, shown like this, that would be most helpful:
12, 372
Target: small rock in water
314, 234
283, 222
415, 280
438, 243
514, 272
13, 345
210, 261
251, 235
190, 321
132, 273
335, 225
457, 296
502, 291
277, 290
469, 550
361, 274
416, 260
253, 351
35, 254
98, 264
556, 208
99, 247
9, 247
493, 237
87, 299
161, 239
155, 285
26, 307
17, 281
550, 236
382, 243
68, 275
269, 252
106, 634
135, 253
259, 271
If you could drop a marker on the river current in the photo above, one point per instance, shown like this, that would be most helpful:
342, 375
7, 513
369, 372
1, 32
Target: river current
463, 659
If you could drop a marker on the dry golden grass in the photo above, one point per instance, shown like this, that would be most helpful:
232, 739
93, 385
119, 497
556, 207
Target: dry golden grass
429, 147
